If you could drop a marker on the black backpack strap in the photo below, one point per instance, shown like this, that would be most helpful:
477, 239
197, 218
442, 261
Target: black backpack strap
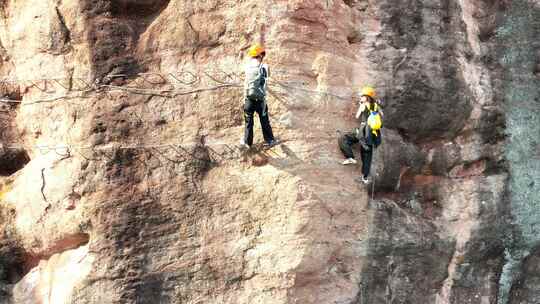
263, 74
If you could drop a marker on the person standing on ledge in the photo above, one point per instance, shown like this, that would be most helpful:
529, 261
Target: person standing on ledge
256, 78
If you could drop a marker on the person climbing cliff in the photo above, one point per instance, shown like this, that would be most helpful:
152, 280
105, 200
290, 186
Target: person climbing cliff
256, 77
368, 135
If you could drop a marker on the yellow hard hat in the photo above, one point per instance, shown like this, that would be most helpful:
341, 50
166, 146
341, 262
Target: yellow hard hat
255, 50
369, 91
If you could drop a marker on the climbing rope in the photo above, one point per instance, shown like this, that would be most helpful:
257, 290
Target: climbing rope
373, 190
171, 85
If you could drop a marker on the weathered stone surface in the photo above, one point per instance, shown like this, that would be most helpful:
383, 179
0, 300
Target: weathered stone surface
526, 289
398, 243
54, 280
394, 159
123, 164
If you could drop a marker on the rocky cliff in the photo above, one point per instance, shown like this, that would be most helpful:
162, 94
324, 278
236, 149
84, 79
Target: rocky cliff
121, 181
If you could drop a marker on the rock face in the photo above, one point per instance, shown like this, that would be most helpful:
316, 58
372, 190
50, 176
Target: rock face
121, 182
54, 280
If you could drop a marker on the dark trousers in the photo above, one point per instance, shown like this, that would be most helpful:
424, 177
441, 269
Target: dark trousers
345, 144
250, 107
367, 154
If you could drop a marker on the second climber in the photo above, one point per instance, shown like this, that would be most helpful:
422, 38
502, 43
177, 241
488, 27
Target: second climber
368, 134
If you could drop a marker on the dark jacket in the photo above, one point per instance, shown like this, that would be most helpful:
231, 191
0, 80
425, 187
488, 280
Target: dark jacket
364, 111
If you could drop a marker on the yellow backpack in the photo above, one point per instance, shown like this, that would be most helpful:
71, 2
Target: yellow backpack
374, 120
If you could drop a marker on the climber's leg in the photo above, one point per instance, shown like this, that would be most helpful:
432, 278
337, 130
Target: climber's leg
367, 155
249, 110
345, 143
265, 123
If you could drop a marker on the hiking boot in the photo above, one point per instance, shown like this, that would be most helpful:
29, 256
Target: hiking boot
271, 143
243, 145
349, 161
365, 180
362, 179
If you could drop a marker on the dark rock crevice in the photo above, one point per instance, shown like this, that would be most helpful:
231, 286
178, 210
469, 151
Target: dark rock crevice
137, 14
12, 160
114, 30
13, 157
60, 35
16, 262
67, 242
12, 261
11, 92
11, 251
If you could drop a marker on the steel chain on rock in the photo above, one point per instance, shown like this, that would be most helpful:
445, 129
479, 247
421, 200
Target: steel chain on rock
168, 85
164, 85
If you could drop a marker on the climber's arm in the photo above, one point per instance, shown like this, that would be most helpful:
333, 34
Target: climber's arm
361, 109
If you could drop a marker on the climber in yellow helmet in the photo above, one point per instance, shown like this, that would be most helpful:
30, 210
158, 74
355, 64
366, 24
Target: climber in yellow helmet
368, 104
256, 78
368, 135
